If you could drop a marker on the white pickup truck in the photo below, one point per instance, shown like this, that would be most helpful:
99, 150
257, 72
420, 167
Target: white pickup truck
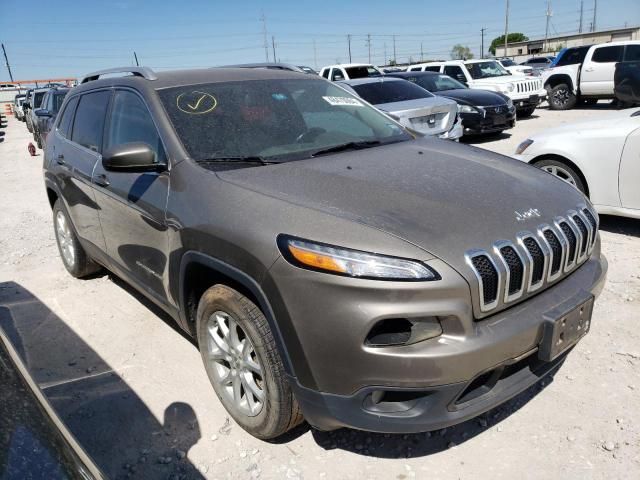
585, 74
525, 92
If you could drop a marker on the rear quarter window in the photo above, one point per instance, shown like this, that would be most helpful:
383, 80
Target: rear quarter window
608, 54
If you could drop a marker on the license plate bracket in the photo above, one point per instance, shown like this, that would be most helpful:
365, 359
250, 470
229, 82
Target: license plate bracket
563, 329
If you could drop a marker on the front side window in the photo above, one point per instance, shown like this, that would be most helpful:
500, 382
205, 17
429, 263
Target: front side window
325, 73
488, 69
130, 121
66, 121
89, 121
276, 120
608, 54
455, 72
363, 72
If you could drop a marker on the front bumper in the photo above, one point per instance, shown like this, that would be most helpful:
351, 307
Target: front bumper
528, 100
477, 123
472, 367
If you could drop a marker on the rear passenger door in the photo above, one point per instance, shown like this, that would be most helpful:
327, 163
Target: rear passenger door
132, 204
596, 77
73, 158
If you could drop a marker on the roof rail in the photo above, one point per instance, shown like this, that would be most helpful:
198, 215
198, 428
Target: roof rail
144, 72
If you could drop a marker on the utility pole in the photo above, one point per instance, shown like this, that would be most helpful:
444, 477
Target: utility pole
136, 57
385, 53
506, 29
421, 53
263, 19
482, 43
581, 13
369, 45
349, 43
395, 60
6, 61
273, 45
315, 54
595, 11
545, 45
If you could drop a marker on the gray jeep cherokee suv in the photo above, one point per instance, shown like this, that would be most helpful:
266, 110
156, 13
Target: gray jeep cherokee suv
330, 264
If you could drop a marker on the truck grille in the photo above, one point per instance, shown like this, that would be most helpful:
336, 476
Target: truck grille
535, 260
527, 86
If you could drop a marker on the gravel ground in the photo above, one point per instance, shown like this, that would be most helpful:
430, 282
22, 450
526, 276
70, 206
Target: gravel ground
133, 390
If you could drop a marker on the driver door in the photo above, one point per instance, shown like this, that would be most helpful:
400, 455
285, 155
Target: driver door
629, 178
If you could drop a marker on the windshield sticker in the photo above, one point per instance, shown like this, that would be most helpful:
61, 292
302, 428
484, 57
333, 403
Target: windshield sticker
196, 103
279, 96
342, 101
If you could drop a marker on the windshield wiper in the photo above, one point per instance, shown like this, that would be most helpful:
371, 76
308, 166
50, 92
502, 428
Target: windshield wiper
347, 146
239, 159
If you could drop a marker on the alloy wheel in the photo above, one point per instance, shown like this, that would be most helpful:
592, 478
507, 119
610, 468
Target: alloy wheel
234, 363
65, 239
561, 173
561, 97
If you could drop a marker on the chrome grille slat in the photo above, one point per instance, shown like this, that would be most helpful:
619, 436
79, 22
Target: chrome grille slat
508, 271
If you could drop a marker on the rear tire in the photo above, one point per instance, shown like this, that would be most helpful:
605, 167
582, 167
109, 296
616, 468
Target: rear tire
563, 171
38, 140
243, 364
74, 258
561, 97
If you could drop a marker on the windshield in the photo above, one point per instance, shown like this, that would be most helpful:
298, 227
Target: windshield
508, 63
436, 83
379, 92
362, 72
486, 70
570, 56
274, 120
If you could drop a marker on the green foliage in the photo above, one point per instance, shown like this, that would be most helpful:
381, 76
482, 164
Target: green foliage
461, 52
499, 41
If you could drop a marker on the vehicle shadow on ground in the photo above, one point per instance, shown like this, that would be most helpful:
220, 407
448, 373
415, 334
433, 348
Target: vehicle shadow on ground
487, 138
423, 444
106, 416
622, 225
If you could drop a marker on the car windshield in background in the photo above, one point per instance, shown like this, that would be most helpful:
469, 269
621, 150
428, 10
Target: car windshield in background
486, 70
37, 99
570, 56
508, 63
362, 72
272, 120
380, 92
58, 98
436, 83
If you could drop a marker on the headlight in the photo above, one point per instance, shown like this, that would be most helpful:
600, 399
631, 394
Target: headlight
351, 263
467, 109
523, 146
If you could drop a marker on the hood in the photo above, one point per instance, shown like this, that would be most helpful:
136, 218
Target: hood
496, 80
470, 96
444, 197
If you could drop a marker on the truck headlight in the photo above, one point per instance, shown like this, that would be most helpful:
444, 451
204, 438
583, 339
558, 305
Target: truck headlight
352, 263
508, 87
523, 146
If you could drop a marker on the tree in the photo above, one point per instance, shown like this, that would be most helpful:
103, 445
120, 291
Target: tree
460, 52
499, 41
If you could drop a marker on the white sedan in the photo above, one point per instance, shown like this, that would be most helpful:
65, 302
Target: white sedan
601, 158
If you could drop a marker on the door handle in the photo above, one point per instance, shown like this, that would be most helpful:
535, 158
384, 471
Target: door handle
588, 69
60, 159
101, 180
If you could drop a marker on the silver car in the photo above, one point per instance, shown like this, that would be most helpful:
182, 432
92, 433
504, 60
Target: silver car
411, 105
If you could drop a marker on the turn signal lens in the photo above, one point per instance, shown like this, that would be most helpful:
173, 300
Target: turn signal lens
352, 263
523, 146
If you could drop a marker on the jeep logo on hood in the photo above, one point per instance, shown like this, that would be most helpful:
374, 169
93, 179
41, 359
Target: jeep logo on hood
526, 215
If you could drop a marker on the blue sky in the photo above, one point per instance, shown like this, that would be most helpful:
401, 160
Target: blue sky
73, 37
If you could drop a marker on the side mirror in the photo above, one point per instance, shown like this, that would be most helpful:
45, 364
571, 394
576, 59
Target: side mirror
337, 78
131, 157
41, 112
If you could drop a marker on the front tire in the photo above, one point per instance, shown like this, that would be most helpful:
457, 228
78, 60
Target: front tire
561, 97
564, 172
243, 364
74, 257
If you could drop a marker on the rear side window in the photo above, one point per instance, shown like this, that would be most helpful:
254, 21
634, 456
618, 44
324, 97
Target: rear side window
131, 122
608, 54
64, 127
632, 53
337, 74
362, 72
325, 73
415, 69
89, 121
378, 93
432, 69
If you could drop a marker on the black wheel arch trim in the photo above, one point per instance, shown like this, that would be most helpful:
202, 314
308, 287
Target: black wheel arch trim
286, 341
567, 162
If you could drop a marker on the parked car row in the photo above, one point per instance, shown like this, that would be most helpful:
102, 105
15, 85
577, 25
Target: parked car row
38, 108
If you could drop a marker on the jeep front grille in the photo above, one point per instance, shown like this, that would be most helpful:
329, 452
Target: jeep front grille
535, 260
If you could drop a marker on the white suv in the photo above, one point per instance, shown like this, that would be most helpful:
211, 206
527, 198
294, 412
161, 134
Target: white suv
350, 71
525, 92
